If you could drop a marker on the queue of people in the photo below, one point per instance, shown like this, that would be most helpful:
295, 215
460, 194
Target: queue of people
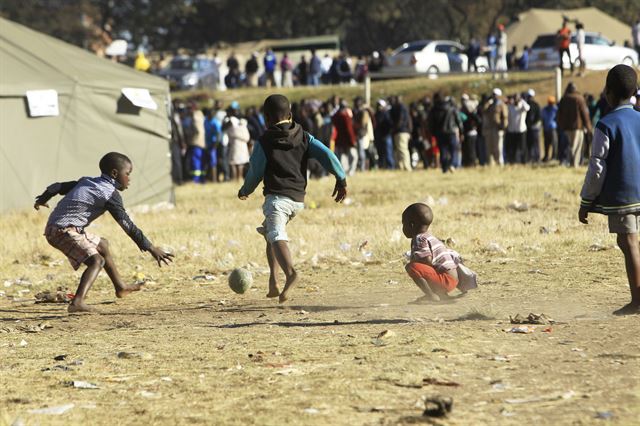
213, 144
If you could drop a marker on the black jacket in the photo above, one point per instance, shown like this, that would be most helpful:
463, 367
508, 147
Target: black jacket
285, 147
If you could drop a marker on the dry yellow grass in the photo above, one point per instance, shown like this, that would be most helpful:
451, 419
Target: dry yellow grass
208, 356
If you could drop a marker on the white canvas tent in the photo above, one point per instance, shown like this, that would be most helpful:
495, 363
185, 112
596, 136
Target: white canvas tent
534, 22
94, 117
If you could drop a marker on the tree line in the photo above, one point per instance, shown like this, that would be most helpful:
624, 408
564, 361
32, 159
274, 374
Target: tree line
363, 25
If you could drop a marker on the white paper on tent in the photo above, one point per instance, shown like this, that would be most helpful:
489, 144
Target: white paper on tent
140, 97
43, 103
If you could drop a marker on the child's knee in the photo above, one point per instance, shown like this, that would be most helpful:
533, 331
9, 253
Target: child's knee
95, 260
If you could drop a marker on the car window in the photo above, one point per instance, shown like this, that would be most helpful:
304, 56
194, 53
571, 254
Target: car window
444, 48
544, 41
413, 47
588, 39
183, 64
601, 41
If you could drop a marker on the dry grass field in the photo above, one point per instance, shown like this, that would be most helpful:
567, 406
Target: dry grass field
186, 350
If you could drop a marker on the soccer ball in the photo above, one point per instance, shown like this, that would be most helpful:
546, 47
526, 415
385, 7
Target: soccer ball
240, 280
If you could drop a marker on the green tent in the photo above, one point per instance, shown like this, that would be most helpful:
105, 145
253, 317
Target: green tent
94, 117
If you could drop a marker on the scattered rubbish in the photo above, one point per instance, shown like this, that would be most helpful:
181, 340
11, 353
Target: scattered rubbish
302, 312
518, 206
494, 248
537, 271
549, 230
547, 330
392, 282
345, 246
347, 201
311, 410
523, 329
540, 319
57, 367
288, 372
450, 242
60, 357
500, 358
77, 362
23, 343
544, 398
382, 338
205, 277
147, 394
443, 201
58, 409
135, 355
437, 382
362, 245
79, 384
604, 415
597, 247
437, 406
498, 386
166, 379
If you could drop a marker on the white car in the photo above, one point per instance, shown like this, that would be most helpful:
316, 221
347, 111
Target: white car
599, 53
430, 57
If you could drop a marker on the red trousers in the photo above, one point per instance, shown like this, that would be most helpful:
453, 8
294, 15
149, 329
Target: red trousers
443, 280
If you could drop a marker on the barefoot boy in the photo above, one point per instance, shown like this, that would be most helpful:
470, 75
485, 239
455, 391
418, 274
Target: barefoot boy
85, 200
434, 268
280, 158
612, 183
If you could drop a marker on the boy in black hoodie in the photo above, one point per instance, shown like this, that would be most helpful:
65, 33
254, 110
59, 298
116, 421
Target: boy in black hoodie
280, 159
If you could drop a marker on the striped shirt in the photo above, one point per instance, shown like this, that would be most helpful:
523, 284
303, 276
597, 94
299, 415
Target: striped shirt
442, 258
87, 199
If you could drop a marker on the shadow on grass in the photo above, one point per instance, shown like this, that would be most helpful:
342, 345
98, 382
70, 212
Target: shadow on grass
315, 324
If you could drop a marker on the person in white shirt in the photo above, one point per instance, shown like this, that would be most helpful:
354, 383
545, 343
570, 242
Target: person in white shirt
516, 143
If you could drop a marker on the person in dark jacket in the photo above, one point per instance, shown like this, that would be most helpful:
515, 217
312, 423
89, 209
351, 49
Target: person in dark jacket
280, 159
444, 123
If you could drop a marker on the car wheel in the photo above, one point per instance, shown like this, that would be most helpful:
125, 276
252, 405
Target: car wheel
432, 70
628, 61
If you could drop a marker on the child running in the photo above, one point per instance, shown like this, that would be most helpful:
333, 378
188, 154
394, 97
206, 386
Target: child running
612, 184
84, 201
434, 268
280, 158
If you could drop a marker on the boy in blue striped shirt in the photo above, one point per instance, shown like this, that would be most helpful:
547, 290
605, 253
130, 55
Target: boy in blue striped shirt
612, 183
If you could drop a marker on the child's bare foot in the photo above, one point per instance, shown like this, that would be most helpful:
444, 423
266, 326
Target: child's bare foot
273, 288
628, 309
125, 291
292, 280
79, 308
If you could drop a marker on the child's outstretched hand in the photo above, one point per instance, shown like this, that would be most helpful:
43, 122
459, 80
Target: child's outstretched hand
339, 192
583, 213
161, 256
39, 203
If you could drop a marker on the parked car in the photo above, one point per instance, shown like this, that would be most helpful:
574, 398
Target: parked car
599, 53
184, 73
430, 57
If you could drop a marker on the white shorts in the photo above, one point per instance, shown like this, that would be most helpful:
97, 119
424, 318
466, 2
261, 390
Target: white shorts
624, 223
278, 211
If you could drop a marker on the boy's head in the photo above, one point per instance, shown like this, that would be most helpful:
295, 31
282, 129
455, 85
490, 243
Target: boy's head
276, 109
622, 83
416, 219
117, 166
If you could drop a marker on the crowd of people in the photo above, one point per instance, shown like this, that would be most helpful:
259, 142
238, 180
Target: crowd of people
213, 144
313, 71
